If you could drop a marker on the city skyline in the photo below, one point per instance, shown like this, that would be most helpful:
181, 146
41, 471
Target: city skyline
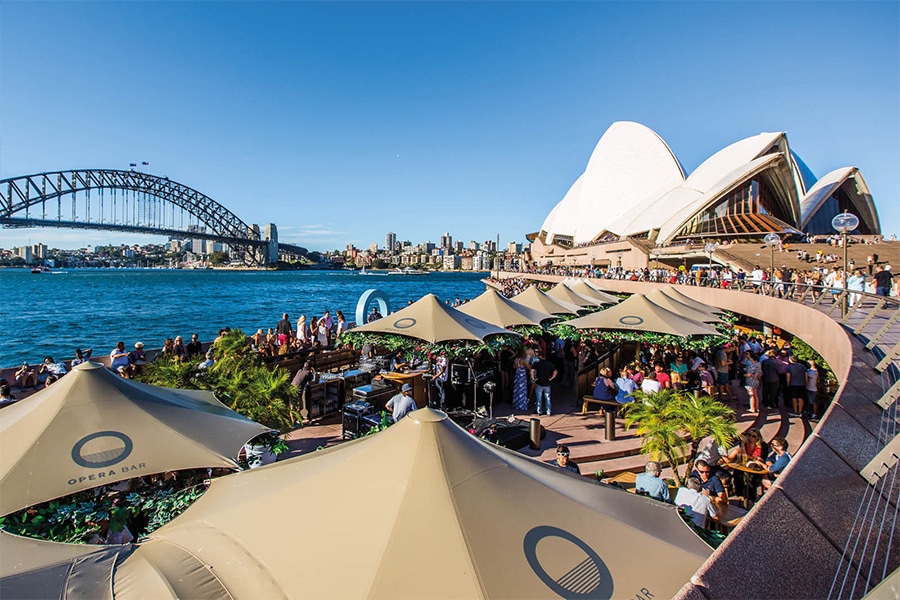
339, 122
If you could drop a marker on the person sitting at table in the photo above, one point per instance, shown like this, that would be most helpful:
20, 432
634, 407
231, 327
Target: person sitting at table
711, 452
699, 504
775, 463
625, 388
750, 449
710, 484
604, 387
648, 483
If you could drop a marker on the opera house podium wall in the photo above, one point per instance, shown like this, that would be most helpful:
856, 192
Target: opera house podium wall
810, 535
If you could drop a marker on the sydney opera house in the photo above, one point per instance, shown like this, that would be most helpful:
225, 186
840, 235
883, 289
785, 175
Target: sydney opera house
635, 188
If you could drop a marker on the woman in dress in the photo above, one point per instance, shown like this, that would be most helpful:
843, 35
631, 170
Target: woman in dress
342, 324
302, 331
322, 332
752, 376
520, 382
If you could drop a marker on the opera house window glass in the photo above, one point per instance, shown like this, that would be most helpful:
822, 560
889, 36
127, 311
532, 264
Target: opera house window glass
840, 201
750, 210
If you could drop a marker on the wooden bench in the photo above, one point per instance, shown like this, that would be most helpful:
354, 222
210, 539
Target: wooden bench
605, 405
609, 408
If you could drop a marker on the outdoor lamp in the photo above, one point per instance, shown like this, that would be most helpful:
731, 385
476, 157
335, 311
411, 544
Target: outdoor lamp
771, 240
844, 223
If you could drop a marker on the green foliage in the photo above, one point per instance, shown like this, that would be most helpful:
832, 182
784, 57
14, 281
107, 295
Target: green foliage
650, 416
162, 504
385, 423
168, 371
672, 425
218, 258
456, 349
76, 518
239, 378
805, 352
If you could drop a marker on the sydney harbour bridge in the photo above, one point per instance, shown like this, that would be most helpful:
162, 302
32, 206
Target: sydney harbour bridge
134, 202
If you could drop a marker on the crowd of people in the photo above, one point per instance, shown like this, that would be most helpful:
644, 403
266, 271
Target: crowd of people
282, 339
769, 374
783, 282
715, 480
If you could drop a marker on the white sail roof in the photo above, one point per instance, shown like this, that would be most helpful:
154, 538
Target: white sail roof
629, 163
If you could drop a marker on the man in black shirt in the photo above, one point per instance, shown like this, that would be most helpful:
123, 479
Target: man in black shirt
195, 348
544, 372
883, 281
285, 330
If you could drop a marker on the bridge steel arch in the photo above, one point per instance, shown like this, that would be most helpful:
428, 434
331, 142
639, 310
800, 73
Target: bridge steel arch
19, 194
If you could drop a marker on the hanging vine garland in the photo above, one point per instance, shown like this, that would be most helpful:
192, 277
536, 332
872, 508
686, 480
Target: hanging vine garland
453, 349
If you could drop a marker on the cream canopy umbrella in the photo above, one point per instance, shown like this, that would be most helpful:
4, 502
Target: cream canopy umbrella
684, 299
602, 293
535, 299
93, 427
423, 510
657, 296
581, 287
430, 320
637, 313
563, 292
38, 569
493, 308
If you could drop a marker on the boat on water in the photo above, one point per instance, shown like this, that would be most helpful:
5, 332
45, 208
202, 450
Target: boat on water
408, 271
39, 270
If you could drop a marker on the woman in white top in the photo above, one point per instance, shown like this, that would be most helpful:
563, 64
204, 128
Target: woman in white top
302, 330
322, 332
342, 324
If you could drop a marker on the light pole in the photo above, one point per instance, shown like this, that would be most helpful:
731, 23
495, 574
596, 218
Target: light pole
844, 223
709, 248
771, 240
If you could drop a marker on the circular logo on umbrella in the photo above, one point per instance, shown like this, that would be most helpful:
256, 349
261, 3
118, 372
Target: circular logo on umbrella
475, 323
567, 564
102, 449
631, 320
404, 323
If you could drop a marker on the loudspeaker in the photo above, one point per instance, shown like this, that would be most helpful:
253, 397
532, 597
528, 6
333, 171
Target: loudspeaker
460, 374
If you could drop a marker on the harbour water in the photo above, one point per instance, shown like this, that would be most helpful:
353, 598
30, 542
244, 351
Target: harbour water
52, 314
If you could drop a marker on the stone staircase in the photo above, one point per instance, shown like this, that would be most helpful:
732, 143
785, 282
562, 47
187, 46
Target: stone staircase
585, 435
747, 256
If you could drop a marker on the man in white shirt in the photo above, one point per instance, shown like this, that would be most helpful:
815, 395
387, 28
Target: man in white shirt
698, 503
756, 276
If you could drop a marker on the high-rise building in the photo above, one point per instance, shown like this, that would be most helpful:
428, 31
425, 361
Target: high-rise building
390, 241
447, 241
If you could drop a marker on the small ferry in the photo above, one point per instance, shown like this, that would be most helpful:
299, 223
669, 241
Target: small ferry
408, 271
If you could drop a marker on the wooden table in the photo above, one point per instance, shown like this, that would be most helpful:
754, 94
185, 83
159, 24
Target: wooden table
749, 484
729, 515
414, 378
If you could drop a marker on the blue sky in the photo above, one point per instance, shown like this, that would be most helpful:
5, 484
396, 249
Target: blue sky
340, 121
